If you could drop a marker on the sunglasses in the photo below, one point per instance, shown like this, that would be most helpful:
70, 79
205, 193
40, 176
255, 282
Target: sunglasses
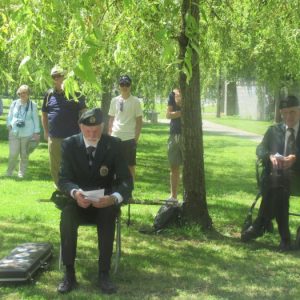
125, 84
121, 105
56, 77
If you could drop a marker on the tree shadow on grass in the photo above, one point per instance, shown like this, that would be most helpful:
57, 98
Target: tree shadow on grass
180, 263
169, 265
160, 266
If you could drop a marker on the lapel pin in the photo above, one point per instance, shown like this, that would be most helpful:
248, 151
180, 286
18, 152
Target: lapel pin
103, 171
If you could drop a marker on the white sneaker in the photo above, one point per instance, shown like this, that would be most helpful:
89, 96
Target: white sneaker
20, 175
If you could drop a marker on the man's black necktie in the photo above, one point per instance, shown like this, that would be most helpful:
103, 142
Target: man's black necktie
291, 142
90, 150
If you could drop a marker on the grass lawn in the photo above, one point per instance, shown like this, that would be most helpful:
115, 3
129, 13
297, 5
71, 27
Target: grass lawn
180, 263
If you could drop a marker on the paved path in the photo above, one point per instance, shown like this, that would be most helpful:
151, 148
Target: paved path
230, 131
225, 130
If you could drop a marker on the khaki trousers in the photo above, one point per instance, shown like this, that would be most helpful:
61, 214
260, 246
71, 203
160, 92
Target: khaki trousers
17, 147
54, 148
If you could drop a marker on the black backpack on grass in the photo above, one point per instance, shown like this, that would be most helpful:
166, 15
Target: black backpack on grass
167, 215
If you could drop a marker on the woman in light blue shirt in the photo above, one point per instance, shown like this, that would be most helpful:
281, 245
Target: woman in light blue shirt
23, 125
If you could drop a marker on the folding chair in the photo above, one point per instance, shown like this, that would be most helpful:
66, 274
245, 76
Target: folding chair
260, 170
117, 254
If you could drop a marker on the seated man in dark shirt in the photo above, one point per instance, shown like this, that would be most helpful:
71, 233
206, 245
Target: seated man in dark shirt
91, 160
280, 152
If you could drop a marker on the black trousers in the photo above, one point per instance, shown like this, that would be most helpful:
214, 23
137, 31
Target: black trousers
275, 204
72, 217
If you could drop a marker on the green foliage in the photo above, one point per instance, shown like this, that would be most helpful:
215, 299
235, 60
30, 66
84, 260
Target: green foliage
97, 40
239, 41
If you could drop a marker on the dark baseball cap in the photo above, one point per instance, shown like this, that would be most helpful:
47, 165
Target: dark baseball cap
289, 101
125, 79
91, 117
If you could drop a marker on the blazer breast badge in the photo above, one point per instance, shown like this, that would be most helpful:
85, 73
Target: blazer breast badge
103, 171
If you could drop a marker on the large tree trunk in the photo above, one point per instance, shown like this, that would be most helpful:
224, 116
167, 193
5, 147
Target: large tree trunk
195, 207
105, 103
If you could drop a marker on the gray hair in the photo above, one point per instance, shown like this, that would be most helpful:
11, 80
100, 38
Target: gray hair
23, 88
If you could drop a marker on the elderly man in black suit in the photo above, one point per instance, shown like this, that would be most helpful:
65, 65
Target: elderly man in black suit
91, 161
280, 152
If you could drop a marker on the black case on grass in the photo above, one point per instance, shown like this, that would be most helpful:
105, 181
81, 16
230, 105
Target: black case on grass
23, 261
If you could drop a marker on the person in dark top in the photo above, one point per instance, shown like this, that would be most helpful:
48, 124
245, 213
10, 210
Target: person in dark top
280, 153
91, 161
59, 118
174, 141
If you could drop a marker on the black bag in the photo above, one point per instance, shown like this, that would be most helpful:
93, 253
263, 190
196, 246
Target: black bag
248, 222
24, 261
60, 200
168, 214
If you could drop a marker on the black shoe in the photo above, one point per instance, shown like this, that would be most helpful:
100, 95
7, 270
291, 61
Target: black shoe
105, 284
285, 245
252, 233
67, 285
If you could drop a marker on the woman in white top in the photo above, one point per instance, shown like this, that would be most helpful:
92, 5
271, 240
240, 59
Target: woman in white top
23, 125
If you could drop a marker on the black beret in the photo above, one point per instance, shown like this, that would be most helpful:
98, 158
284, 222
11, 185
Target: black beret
91, 117
289, 101
125, 79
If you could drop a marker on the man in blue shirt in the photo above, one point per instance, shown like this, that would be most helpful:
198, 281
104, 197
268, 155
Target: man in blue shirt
60, 116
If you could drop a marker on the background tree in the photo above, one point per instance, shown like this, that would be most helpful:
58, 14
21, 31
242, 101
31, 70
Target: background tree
241, 42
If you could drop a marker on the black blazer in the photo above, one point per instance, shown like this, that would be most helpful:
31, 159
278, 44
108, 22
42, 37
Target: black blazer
273, 142
109, 169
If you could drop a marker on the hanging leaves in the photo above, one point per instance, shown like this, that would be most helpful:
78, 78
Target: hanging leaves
24, 61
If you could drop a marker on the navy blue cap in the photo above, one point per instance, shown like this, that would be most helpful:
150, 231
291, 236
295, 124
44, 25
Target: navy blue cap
91, 117
289, 101
125, 79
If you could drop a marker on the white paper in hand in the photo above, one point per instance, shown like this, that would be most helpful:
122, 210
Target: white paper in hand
94, 195
279, 156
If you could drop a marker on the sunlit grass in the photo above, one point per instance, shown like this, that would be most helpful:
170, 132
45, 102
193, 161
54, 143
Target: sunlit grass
181, 263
